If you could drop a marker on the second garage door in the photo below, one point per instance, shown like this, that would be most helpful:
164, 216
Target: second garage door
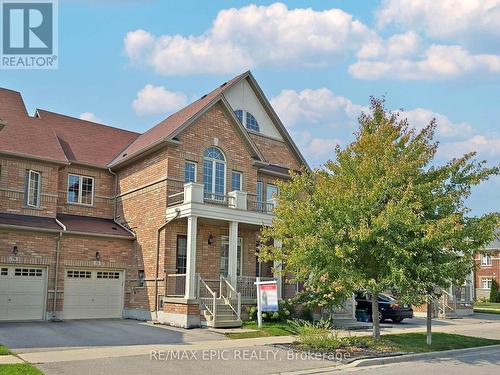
91, 294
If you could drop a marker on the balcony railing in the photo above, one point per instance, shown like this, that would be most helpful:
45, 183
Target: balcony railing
240, 200
218, 199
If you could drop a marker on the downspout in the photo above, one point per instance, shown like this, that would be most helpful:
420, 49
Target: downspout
58, 251
116, 193
157, 274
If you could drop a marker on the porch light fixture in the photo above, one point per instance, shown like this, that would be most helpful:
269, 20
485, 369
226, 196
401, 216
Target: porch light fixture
97, 256
15, 250
210, 239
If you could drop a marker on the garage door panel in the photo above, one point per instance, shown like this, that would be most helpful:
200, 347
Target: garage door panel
91, 294
22, 292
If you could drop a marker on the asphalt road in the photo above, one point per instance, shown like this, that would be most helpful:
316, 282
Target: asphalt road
484, 362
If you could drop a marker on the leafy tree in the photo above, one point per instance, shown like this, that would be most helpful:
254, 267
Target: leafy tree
380, 215
494, 294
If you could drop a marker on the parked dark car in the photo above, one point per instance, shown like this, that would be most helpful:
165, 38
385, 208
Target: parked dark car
388, 307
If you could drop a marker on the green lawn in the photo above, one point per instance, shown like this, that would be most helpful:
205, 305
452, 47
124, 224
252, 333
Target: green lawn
4, 350
21, 369
268, 329
487, 307
416, 342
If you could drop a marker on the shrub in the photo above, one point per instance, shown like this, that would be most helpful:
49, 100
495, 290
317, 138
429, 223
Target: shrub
494, 293
285, 312
318, 336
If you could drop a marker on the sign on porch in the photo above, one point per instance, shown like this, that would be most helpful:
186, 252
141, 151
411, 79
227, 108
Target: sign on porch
267, 297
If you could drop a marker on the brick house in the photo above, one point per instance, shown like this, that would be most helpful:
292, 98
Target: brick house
487, 269
100, 222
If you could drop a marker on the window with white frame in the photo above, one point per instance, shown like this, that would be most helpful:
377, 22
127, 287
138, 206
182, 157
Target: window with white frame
248, 120
214, 173
80, 189
224, 256
189, 171
486, 282
33, 188
236, 180
272, 192
485, 259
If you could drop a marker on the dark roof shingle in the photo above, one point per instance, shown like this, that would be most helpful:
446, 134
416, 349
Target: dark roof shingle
93, 225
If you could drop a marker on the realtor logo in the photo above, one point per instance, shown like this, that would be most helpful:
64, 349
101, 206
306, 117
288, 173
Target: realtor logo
29, 34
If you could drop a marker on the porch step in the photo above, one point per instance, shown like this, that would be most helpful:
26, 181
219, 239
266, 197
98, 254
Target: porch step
226, 323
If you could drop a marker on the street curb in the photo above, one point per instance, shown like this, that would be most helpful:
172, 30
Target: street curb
415, 356
10, 360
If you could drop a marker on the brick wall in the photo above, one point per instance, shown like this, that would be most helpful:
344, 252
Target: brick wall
12, 186
492, 272
275, 152
104, 185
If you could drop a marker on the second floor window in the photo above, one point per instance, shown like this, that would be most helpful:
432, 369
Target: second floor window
33, 181
259, 191
272, 193
214, 173
80, 189
189, 171
236, 179
485, 259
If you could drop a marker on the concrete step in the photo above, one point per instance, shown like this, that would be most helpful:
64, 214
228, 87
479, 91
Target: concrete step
226, 323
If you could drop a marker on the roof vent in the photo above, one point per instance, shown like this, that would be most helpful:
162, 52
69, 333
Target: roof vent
125, 154
114, 228
224, 84
203, 97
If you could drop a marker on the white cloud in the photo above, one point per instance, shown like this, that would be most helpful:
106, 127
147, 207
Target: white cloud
419, 118
157, 100
252, 36
317, 107
437, 62
443, 19
89, 116
319, 120
396, 46
487, 147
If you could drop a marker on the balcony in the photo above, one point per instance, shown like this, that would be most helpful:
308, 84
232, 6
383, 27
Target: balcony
236, 205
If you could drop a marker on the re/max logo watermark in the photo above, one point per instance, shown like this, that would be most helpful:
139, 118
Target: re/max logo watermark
29, 34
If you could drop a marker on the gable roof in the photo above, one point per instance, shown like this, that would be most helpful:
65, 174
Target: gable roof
87, 142
20, 128
167, 129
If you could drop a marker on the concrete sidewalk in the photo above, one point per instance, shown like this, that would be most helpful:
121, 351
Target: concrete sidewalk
9, 360
141, 350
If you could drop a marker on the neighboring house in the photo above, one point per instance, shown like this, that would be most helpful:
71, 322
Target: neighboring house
487, 268
100, 222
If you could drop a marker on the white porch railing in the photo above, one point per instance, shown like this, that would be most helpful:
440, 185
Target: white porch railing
229, 294
245, 285
207, 298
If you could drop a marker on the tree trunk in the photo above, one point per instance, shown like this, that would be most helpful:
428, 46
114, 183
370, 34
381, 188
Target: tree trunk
429, 320
375, 317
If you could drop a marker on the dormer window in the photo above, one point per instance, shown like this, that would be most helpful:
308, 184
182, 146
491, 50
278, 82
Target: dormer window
248, 120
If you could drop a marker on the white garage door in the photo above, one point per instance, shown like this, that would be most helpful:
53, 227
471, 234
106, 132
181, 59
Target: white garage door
22, 292
90, 294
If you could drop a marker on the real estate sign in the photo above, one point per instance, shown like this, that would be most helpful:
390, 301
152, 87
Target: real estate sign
267, 297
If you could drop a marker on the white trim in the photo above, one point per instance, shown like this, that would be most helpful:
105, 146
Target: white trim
485, 278
80, 183
30, 171
214, 169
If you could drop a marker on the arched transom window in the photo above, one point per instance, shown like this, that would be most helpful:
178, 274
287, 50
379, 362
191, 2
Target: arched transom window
214, 173
247, 119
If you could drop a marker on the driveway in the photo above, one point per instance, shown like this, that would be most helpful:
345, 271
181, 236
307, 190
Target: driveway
35, 336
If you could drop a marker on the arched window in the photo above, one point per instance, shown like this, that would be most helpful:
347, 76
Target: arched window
214, 173
248, 120
252, 123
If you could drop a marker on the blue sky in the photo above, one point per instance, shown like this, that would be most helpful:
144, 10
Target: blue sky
131, 63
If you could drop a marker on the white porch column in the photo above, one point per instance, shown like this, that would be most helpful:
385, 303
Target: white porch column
233, 252
277, 265
192, 225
